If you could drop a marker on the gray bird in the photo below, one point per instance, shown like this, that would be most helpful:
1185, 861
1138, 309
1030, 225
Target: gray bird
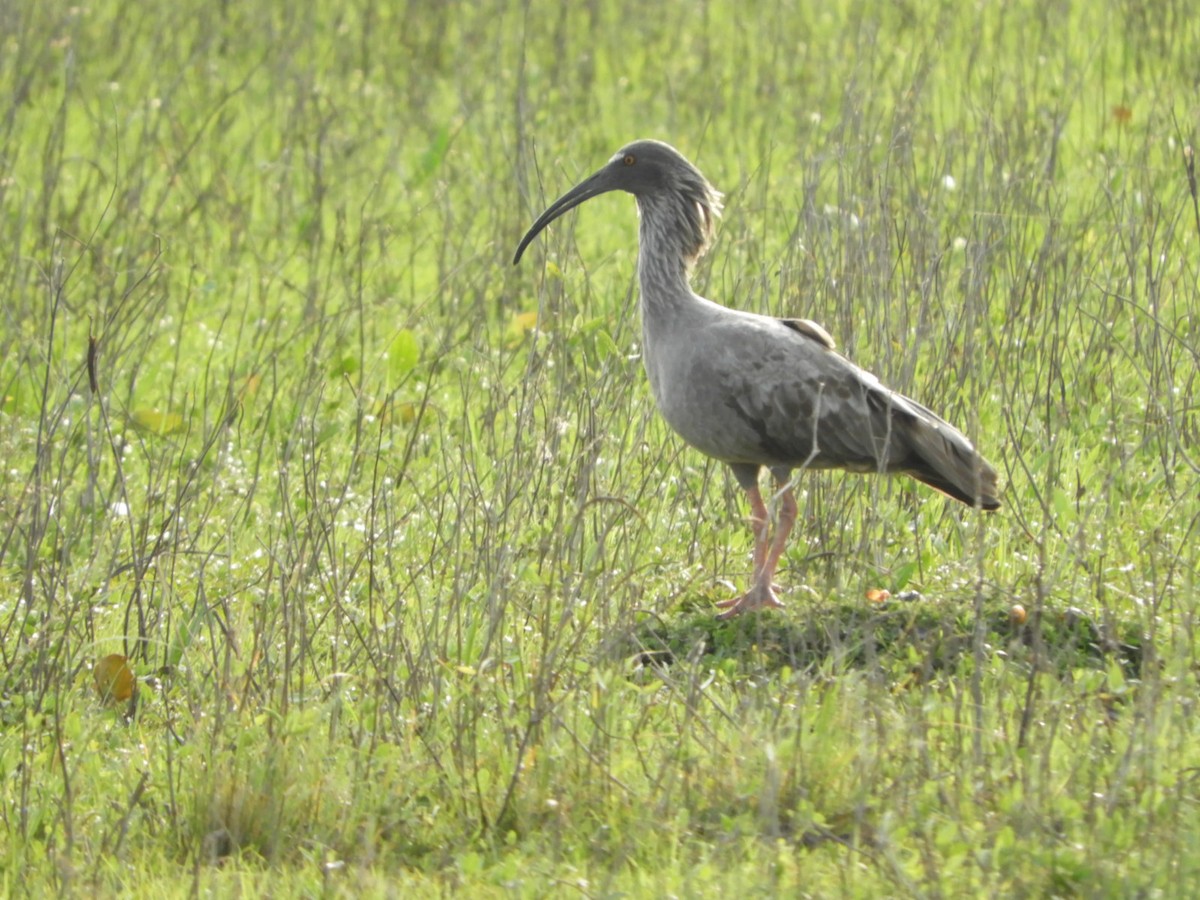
755, 391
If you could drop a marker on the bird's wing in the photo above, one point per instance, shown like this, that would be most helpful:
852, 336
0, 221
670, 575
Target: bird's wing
813, 407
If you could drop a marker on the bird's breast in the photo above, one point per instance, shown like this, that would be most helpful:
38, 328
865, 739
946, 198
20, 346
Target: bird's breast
703, 393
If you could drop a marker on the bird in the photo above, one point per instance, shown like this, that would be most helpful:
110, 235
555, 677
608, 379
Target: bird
756, 391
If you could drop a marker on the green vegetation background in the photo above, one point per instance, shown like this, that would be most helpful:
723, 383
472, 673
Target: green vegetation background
416, 585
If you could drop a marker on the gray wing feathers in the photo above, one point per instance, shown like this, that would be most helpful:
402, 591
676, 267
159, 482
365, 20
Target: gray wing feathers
822, 411
936, 453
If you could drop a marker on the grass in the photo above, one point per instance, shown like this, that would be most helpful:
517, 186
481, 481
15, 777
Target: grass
415, 584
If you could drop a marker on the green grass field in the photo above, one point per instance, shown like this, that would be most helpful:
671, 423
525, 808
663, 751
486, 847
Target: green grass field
416, 585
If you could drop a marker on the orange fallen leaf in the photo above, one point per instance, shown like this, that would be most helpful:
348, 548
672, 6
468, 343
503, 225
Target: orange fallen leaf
114, 679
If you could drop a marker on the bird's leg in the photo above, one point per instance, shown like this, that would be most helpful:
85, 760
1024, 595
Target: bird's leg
760, 526
783, 528
766, 555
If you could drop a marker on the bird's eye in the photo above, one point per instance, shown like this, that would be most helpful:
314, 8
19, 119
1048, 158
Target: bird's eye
630, 159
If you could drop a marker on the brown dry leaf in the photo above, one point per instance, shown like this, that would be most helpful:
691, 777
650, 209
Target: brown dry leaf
114, 679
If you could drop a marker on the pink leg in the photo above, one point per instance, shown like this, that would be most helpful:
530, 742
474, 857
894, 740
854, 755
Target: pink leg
761, 595
783, 529
760, 525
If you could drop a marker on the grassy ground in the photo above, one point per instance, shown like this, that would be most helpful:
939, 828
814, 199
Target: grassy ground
415, 585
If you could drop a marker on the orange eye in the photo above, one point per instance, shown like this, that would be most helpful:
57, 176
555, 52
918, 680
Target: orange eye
630, 159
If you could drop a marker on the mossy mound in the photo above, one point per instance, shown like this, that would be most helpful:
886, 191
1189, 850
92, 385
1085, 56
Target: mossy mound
906, 635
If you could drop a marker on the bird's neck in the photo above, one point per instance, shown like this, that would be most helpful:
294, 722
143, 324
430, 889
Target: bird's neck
663, 263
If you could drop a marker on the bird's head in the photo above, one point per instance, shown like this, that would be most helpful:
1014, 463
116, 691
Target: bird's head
668, 188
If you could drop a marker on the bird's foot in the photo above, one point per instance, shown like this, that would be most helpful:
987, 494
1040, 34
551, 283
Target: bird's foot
761, 596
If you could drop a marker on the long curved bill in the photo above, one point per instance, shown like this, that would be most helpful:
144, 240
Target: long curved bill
599, 183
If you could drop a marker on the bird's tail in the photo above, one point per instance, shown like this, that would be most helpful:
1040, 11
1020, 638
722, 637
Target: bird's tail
942, 457
968, 478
